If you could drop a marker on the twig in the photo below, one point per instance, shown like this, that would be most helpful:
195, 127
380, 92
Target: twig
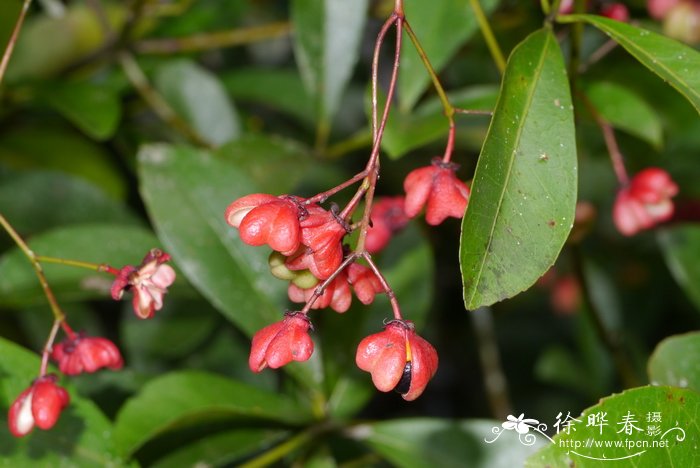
13, 39
213, 40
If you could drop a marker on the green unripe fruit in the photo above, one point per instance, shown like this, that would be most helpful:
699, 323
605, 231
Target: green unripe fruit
278, 268
304, 279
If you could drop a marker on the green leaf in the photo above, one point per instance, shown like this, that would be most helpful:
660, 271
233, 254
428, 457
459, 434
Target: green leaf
444, 443
187, 323
281, 90
200, 98
73, 35
327, 37
442, 28
186, 192
524, 190
222, 449
57, 148
274, 164
681, 247
38, 200
93, 108
427, 123
98, 243
185, 399
82, 434
675, 63
676, 434
626, 110
674, 362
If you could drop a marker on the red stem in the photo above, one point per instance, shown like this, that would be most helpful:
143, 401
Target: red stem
47, 348
385, 285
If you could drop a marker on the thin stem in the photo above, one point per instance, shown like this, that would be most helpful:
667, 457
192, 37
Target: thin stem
489, 37
55, 309
46, 352
495, 382
610, 340
318, 292
450, 142
323, 196
449, 109
598, 55
281, 450
13, 39
459, 110
616, 158
576, 42
215, 40
385, 285
375, 71
99, 267
155, 101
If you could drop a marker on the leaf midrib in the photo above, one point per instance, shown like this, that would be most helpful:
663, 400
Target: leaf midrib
523, 120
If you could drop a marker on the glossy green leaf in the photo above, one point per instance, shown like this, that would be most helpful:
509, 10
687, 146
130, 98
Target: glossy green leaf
674, 62
186, 192
98, 243
38, 200
626, 110
327, 37
663, 432
275, 165
188, 323
200, 98
57, 148
427, 123
281, 90
184, 399
82, 436
442, 28
73, 35
444, 443
222, 449
93, 108
524, 190
681, 247
675, 362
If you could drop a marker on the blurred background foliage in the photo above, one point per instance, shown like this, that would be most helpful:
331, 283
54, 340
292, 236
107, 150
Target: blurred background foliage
131, 124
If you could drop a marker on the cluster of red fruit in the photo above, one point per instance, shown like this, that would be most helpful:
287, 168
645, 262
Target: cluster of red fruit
41, 404
613, 10
308, 251
645, 201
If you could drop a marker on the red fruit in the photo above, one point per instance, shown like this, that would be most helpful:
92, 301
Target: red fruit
646, 202
566, 295
364, 282
86, 354
40, 405
149, 282
264, 219
566, 7
616, 11
398, 359
388, 217
336, 295
322, 232
281, 343
658, 9
238, 210
438, 188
